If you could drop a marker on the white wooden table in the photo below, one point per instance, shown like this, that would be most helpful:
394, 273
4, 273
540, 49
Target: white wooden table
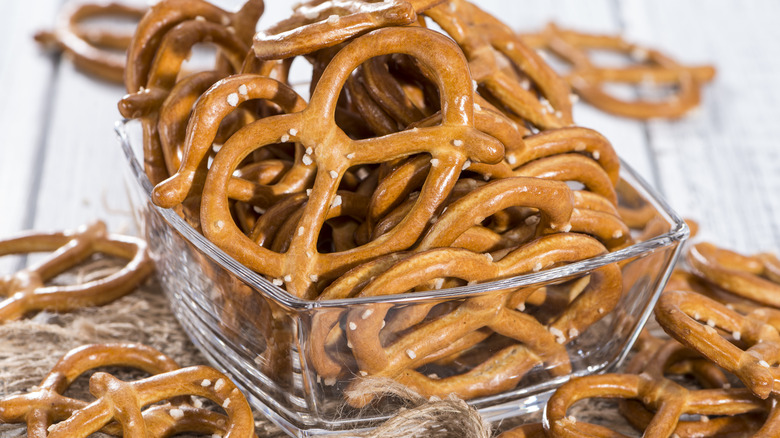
60, 164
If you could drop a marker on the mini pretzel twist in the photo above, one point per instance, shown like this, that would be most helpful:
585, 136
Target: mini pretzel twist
692, 319
754, 277
91, 50
25, 291
587, 79
451, 144
123, 401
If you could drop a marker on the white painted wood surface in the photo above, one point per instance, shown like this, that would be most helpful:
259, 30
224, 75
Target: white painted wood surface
60, 165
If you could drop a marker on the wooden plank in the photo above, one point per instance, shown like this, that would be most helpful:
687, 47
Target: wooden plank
721, 166
26, 73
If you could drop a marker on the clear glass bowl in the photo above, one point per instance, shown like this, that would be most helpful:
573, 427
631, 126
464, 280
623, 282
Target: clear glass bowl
266, 339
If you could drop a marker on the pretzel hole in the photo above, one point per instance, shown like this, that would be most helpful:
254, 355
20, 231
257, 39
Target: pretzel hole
110, 32
201, 57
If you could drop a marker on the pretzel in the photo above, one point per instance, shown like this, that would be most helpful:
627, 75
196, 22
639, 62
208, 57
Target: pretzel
25, 291
679, 313
163, 40
47, 404
495, 53
164, 16
49, 413
213, 106
671, 357
320, 24
90, 50
652, 66
552, 198
754, 277
415, 348
122, 401
668, 399
314, 125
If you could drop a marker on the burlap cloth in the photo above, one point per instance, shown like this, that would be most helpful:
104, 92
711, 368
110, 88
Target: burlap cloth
30, 347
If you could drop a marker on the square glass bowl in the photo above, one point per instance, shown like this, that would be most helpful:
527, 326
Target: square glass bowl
272, 343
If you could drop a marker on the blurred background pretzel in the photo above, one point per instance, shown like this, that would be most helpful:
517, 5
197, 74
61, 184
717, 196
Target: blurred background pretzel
651, 67
26, 291
101, 51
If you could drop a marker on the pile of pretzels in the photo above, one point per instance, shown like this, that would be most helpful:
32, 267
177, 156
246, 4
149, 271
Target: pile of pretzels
717, 376
422, 160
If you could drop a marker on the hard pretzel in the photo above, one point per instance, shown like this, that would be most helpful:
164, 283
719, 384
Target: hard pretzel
413, 349
692, 318
91, 51
163, 40
164, 16
552, 198
212, 107
652, 66
450, 145
668, 399
495, 54
26, 290
47, 404
320, 24
754, 277
123, 401
49, 413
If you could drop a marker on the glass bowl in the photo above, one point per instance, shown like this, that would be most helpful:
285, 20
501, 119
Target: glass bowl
270, 342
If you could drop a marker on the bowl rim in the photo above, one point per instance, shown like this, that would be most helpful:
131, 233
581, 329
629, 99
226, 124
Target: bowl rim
678, 232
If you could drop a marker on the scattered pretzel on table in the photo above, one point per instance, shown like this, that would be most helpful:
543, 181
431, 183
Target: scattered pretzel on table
99, 52
652, 67
25, 291
49, 413
693, 320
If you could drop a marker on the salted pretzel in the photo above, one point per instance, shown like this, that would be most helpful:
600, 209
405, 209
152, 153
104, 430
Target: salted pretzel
415, 348
657, 359
47, 404
552, 198
94, 51
692, 319
26, 290
652, 67
213, 106
494, 51
319, 24
450, 145
163, 40
123, 401
48, 413
165, 15
669, 400
754, 277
